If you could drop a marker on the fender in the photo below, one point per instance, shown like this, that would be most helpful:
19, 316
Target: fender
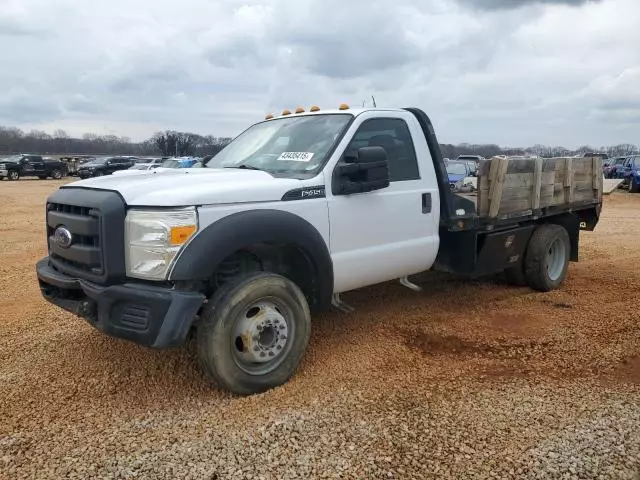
210, 246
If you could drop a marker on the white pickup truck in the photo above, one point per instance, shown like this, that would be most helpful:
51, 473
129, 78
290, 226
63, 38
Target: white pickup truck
295, 211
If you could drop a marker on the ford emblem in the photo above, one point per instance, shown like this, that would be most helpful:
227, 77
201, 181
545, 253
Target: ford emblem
62, 236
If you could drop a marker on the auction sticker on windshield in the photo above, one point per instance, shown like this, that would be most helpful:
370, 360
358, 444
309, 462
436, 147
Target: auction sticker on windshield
296, 156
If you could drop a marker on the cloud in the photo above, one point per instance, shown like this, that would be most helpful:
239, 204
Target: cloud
553, 72
508, 4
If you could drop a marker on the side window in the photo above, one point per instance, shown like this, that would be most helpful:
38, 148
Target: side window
393, 135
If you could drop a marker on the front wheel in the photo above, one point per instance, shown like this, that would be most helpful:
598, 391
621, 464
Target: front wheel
13, 175
253, 332
547, 259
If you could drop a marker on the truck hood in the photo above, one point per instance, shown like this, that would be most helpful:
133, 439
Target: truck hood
194, 186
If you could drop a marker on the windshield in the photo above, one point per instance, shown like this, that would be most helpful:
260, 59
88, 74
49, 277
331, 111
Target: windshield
97, 161
171, 164
291, 145
456, 169
13, 158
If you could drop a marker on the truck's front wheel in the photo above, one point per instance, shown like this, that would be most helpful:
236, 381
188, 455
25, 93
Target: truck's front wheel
253, 332
547, 259
13, 175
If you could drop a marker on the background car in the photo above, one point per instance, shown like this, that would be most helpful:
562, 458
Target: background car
631, 173
458, 171
105, 166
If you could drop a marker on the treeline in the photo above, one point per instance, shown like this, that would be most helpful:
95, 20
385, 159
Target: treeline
170, 142
14, 140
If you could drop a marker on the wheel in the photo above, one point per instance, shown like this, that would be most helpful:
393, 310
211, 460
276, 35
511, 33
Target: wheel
547, 259
13, 175
634, 187
515, 276
253, 333
56, 174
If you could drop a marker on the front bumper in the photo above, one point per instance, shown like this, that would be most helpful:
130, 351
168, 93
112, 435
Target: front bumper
4, 173
151, 316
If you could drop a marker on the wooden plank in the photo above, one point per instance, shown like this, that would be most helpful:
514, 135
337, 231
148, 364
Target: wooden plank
537, 184
568, 180
495, 190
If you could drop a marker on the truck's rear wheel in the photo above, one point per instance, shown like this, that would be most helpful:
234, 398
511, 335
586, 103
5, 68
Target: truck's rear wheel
56, 174
253, 333
547, 259
13, 175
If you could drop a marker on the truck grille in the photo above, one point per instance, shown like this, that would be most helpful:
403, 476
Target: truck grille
83, 223
95, 221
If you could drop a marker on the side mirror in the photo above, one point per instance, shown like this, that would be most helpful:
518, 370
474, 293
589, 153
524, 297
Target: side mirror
365, 171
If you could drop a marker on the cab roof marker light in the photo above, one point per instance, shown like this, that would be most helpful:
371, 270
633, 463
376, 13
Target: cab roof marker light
268, 116
286, 112
314, 108
299, 110
343, 106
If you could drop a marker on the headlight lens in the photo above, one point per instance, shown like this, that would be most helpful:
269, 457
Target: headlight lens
154, 238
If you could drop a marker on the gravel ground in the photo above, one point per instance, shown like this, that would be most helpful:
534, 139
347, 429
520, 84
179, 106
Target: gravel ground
463, 380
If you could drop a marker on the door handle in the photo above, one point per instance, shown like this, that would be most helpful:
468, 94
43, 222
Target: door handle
426, 203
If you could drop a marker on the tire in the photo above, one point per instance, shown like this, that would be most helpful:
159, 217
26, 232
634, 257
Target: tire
634, 187
56, 174
230, 333
515, 276
13, 175
547, 258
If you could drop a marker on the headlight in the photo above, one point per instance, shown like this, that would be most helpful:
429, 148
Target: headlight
154, 238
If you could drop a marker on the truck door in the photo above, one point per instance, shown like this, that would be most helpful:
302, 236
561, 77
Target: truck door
392, 232
27, 168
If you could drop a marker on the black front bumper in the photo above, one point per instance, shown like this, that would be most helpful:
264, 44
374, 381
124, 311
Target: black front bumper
152, 316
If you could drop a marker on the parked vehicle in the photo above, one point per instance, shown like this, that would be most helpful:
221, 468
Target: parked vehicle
31, 166
458, 172
181, 162
74, 162
615, 168
472, 161
105, 166
631, 173
603, 156
294, 212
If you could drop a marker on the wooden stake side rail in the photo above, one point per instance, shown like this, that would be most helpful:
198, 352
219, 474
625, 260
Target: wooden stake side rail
507, 187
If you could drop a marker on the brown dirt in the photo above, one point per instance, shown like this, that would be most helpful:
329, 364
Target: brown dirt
76, 401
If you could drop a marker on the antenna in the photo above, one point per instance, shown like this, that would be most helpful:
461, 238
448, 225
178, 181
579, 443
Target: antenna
374, 101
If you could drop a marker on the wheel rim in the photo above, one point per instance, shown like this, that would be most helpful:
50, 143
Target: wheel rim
57, 175
556, 257
261, 337
13, 175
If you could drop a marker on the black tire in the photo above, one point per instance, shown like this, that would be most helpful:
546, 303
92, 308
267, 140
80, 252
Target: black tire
541, 269
634, 187
220, 345
13, 175
515, 276
56, 174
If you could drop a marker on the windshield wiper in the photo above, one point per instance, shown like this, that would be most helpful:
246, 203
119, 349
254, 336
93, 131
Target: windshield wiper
246, 167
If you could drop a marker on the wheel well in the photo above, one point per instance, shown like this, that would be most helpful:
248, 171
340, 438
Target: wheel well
288, 260
571, 224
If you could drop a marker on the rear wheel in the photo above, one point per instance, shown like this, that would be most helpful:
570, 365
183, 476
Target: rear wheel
253, 332
547, 258
634, 186
56, 174
13, 175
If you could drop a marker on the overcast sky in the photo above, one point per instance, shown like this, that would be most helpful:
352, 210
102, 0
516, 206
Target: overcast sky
512, 72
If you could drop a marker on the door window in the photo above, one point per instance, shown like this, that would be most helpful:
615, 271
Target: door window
393, 135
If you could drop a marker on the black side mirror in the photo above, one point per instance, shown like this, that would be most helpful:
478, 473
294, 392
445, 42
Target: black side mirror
365, 171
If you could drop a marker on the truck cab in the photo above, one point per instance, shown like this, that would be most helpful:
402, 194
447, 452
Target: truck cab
295, 211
